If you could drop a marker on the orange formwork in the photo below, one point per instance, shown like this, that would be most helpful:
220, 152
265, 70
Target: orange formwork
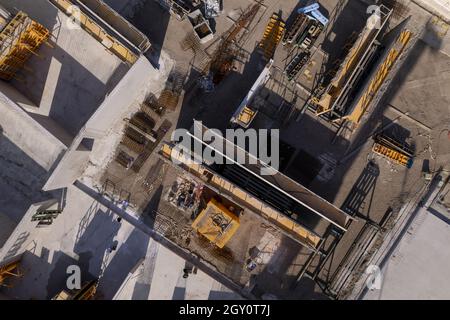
19, 40
8, 270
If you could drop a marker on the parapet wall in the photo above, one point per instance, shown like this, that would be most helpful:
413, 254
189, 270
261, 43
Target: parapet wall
33, 139
141, 79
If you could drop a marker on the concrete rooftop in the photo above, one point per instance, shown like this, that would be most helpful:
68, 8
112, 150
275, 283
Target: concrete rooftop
416, 266
70, 79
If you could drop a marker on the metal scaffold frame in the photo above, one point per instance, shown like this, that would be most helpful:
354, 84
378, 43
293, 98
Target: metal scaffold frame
228, 48
90, 23
19, 40
334, 102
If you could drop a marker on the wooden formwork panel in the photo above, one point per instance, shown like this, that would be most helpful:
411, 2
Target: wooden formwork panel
19, 40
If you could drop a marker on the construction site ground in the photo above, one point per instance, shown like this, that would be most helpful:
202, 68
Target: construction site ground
417, 102
63, 82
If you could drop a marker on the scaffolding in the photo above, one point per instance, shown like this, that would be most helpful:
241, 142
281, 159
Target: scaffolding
87, 292
335, 101
19, 40
228, 49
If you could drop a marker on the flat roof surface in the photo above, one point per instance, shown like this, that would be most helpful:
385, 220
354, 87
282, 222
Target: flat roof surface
418, 268
69, 80
160, 277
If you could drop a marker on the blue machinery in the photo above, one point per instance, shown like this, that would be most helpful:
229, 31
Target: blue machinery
313, 11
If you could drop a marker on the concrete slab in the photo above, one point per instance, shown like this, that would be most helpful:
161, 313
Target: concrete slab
440, 8
82, 235
168, 269
70, 80
417, 270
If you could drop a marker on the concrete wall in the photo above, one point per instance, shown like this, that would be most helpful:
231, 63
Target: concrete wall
141, 78
126, 96
51, 125
7, 226
28, 135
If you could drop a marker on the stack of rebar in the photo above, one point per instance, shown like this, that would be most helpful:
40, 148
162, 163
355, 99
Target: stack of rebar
192, 42
170, 96
227, 51
151, 107
143, 121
